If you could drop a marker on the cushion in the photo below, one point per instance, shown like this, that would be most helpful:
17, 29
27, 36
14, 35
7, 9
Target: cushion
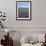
27, 38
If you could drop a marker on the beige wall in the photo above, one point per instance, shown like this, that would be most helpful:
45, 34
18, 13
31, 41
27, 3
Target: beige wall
38, 21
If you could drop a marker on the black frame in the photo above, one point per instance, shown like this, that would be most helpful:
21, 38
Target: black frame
30, 10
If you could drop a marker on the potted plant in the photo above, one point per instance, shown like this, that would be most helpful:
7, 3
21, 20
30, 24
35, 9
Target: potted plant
2, 19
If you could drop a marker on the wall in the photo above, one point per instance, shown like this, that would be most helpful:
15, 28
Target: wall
38, 14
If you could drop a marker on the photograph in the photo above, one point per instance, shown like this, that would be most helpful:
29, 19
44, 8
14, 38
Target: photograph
23, 10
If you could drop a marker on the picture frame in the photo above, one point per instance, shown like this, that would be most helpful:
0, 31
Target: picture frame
23, 10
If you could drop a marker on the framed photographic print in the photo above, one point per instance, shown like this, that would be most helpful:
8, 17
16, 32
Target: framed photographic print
23, 10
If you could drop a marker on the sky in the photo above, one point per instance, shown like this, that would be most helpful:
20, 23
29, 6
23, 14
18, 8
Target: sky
23, 4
